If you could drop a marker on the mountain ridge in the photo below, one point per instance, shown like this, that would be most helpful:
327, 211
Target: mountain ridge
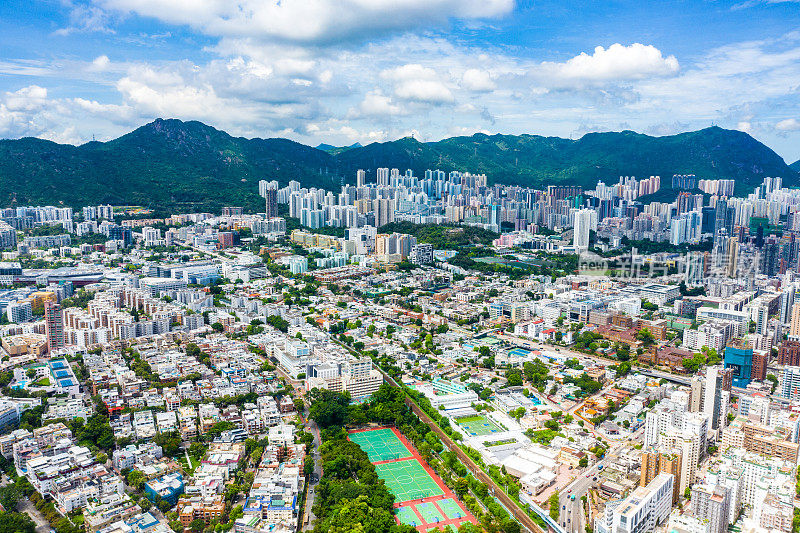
177, 165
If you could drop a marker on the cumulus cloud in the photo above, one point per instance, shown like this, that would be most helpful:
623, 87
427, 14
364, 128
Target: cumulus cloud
429, 91
615, 63
29, 112
172, 96
310, 21
419, 84
28, 98
790, 124
375, 104
99, 64
336, 71
477, 80
344, 133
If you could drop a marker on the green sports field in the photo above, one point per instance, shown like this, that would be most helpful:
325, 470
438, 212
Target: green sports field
478, 425
407, 516
451, 508
408, 480
429, 512
381, 445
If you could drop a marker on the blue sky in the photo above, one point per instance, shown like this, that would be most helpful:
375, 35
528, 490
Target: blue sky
344, 71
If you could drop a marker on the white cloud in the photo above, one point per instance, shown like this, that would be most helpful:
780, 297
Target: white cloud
112, 112
429, 91
339, 133
310, 21
84, 19
375, 104
477, 80
755, 75
99, 64
754, 3
263, 83
790, 124
25, 68
176, 100
613, 64
419, 84
29, 112
28, 98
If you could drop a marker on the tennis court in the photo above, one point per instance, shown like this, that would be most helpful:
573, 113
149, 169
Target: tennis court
519, 352
429, 513
408, 480
381, 445
407, 516
478, 425
450, 508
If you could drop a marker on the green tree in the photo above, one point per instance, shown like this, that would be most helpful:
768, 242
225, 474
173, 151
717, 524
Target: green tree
694, 363
514, 378
328, 408
11, 522
197, 525
772, 379
197, 450
136, 479
170, 442
517, 413
461, 486
308, 465
555, 509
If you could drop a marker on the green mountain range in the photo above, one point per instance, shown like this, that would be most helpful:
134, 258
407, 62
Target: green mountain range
182, 166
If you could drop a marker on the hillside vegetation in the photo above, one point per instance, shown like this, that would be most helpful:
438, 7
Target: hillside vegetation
183, 166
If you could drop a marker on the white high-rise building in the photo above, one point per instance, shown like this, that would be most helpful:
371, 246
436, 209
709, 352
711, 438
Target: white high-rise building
762, 319
643, 509
151, 236
585, 220
295, 204
790, 388
787, 303
384, 211
670, 426
382, 175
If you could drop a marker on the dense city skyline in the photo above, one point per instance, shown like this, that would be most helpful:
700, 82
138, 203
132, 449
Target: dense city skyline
218, 314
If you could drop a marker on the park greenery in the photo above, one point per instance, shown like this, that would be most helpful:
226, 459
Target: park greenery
443, 236
388, 407
350, 496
